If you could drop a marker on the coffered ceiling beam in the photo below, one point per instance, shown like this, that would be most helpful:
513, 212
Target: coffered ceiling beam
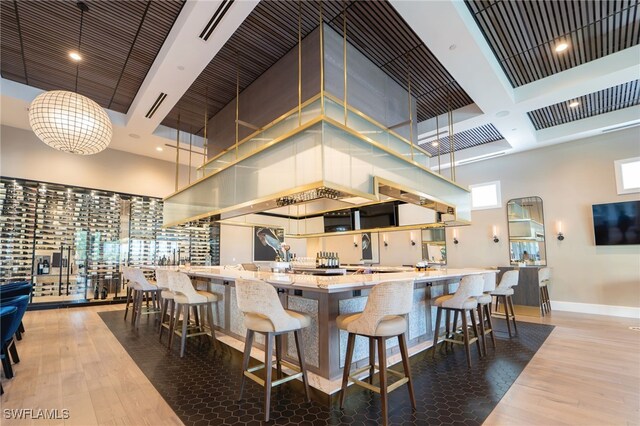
183, 56
450, 32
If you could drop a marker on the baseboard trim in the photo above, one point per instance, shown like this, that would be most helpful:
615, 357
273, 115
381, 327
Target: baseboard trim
592, 308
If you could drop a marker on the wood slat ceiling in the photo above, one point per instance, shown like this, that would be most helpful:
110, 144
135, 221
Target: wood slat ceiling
120, 40
523, 34
467, 139
611, 99
271, 30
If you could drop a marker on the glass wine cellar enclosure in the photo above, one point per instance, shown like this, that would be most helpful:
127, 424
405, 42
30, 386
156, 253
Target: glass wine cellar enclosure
71, 242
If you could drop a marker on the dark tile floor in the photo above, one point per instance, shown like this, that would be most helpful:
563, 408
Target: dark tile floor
202, 387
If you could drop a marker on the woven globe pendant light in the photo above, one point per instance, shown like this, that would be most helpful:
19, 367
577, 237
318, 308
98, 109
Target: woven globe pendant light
70, 122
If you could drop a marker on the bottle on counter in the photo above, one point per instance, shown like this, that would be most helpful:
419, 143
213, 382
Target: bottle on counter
39, 268
317, 259
45, 267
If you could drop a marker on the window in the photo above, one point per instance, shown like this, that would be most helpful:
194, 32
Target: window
628, 175
485, 196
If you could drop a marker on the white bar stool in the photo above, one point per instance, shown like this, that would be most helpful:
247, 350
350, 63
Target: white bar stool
463, 301
264, 314
140, 289
544, 278
185, 296
167, 310
383, 318
503, 293
484, 310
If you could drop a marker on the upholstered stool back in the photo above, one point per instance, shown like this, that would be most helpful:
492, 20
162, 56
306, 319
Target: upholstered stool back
258, 297
471, 286
385, 299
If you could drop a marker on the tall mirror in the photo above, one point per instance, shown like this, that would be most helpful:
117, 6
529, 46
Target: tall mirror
526, 231
434, 245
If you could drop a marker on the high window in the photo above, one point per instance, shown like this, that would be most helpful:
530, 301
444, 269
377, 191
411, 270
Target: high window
628, 175
485, 196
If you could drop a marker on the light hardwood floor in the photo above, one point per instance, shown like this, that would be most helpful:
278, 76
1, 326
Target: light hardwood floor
586, 373
70, 360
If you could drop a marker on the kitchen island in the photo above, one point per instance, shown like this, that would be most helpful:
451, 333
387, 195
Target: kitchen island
324, 298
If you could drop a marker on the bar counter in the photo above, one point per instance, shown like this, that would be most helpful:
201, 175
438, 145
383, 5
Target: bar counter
324, 298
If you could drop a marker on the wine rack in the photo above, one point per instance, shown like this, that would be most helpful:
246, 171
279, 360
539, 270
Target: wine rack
104, 243
17, 226
62, 223
145, 220
89, 234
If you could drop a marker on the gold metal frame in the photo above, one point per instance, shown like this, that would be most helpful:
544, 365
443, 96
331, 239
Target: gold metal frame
376, 123
246, 203
387, 150
287, 136
275, 141
360, 231
264, 128
378, 181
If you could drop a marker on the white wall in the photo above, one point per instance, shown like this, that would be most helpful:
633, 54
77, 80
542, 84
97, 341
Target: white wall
236, 244
569, 178
23, 155
398, 252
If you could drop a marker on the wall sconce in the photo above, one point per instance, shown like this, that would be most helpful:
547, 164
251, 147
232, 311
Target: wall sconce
495, 234
560, 234
384, 240
355, 242
413, 241
455, 236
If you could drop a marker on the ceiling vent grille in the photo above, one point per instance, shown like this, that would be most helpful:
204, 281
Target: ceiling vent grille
156, 105
484, 157
215, 19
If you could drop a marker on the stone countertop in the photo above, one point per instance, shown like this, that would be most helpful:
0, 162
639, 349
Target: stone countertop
325, 284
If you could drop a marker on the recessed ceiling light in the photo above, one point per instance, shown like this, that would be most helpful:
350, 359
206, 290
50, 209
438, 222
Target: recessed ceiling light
134, 136
452, 47
159, 148
573, 104
180, 67
75, 56
561, 47
434, 144
502, 113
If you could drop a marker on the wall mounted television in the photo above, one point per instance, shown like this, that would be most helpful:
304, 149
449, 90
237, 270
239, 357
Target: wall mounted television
617, 223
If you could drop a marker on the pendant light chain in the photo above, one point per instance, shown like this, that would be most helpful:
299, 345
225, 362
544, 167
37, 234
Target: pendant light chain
83, 7
299, 62
438, 142
205, 143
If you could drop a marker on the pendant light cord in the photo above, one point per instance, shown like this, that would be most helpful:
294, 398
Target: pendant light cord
83, 8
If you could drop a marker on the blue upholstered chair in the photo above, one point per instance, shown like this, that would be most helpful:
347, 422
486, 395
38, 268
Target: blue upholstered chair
14, 289
20, 302
8, 318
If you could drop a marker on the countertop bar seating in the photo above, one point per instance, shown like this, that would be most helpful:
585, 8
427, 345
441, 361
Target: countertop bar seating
384, 317
263, 313
324, 299
463, 302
